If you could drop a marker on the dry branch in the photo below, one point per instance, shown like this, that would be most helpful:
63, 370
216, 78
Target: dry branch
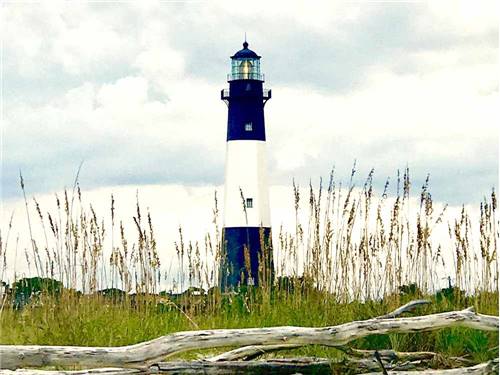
280, 365
247, 353
275, 366
405, 308
357, 361
487, 368
392, 356
388, 354
283, 366
253, 351
15, 356
105, 371
316, 366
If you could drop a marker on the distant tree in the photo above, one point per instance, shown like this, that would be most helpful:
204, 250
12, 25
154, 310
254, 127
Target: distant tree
452, 294
26, 289
411, 290
113, 293
4, 289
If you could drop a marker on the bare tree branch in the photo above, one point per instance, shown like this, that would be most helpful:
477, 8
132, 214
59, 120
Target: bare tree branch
487, 368
105, 371
405, 308
253, 351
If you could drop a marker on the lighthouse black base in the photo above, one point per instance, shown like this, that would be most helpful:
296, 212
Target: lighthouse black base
256, 243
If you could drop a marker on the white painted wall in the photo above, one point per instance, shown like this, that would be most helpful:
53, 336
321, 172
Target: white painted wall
246, 167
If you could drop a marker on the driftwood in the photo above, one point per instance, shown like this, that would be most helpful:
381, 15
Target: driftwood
316, 366
141, 356
392, 356
488, 368
410, 306
247, 353
16, 356
282, 366
388, 354
274, 366
361, 360
253, 351
356, 360
106, 371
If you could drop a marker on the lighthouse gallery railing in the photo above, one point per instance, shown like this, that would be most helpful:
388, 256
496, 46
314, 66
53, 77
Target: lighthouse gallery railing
225, 94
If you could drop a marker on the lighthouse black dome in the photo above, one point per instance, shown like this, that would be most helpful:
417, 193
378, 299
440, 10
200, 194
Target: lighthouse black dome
245, 53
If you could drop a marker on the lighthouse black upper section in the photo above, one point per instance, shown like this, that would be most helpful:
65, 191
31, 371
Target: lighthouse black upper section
246, 97
245, 53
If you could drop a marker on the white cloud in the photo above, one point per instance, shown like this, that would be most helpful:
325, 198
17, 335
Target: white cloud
462, 17
418, 110
134, 100
57, 34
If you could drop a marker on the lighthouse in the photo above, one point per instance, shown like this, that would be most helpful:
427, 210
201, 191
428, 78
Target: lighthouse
246, 238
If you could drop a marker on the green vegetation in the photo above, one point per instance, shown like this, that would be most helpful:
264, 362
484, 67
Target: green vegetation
363, 257
98, 320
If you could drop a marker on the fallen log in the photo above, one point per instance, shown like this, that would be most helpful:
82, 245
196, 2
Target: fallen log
146, 353
413, 359
253, 351
285, 366
282, 366
487, 368
105, 371
250, 352
275, 366
316, 366
357, 360
388, 354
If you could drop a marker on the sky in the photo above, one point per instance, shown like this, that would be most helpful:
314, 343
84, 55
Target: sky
132, 91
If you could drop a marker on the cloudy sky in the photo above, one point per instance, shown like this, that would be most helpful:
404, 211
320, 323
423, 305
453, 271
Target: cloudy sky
132, 90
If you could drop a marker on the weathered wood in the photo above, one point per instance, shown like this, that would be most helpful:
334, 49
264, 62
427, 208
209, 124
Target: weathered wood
275, 366
392, 356
360, 360
254, 351
16, 356
388, 354
365, 358
247, 353
106, 371
405, 308
319, 366
281, 366
487, 368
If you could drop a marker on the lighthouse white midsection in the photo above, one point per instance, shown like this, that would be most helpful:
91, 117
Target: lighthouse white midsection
246, 169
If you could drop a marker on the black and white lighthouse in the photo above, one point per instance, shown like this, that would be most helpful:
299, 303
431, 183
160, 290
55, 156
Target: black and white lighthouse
247, 256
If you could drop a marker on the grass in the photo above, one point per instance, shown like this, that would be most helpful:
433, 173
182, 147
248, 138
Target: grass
357, 256
98, 321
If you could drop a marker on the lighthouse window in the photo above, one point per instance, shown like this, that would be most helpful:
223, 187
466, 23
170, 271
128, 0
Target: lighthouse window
249, 202
248, 127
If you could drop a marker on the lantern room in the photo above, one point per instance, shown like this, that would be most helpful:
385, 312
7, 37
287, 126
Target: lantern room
245, 64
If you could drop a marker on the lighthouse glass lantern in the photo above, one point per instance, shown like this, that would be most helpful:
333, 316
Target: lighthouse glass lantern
245, 66
247, 253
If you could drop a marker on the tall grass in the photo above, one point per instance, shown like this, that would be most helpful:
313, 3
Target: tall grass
357, 255
360, 247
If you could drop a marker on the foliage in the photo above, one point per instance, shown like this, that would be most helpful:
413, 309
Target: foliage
26, 290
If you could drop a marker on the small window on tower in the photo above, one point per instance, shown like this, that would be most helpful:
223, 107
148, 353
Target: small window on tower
248, 127
249, 202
